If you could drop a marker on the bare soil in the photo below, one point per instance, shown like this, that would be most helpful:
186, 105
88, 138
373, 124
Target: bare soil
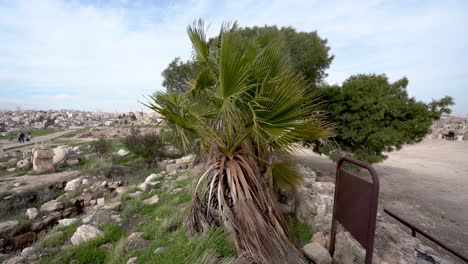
425, 183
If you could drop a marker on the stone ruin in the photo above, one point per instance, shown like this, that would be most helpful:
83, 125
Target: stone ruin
43, 160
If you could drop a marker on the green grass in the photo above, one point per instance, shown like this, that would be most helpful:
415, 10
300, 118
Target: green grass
300, 233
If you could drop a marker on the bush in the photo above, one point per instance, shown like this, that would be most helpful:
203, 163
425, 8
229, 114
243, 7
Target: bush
148, 146
101, 147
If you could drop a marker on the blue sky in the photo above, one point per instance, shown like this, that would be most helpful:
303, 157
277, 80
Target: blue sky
105, 55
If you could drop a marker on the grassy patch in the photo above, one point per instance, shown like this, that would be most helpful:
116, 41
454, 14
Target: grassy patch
59, 236
300, 233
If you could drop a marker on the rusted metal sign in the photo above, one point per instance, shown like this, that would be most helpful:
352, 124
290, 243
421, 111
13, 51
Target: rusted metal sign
355, 206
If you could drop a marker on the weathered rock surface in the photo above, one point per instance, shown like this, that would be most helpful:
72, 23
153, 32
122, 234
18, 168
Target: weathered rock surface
23, 164
153, 177
112, 206
43, 160
317, 253
32, 213
72, 185
152, 200
7, 226
85, 233
52, 206
11, 162
66, 221
72, 162
136, 242
122, 153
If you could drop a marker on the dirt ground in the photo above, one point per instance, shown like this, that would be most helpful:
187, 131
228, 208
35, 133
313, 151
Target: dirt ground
426, 184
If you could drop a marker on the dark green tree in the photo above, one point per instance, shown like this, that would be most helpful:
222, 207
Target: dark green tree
308, 52
177, 74
373, 116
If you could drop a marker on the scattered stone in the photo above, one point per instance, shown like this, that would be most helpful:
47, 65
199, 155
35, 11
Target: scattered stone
14, 260
23, 164
160, 250
100, 201
319, 238
72, 185
52, 206
186, 159
11, 162
177, 190
90, 156
32, 213
85, 233
122, 153
175, 167
106, 246
132, 260
73, 162
112, 206
145, 187
60, 155
121, 190
7, 226
11, 169
103, 184
135, 194
66, 222
28, 251
135, 242
85, 182
317, 253
153, 177
3, 165
43, 160
17, 184
152, 200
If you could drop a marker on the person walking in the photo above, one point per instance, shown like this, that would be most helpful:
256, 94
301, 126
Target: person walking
28, 137
22, 137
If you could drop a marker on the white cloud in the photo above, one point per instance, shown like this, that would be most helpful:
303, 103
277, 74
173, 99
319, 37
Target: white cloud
107, 57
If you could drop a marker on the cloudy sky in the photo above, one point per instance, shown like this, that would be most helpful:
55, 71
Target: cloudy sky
105, 55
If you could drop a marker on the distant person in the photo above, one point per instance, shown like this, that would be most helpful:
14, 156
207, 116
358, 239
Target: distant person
28, 137
21, 137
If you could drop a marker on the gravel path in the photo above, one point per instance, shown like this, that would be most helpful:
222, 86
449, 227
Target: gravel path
426, 183
35, 140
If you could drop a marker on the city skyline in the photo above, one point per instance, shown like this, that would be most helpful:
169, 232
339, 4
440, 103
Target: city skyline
108, 55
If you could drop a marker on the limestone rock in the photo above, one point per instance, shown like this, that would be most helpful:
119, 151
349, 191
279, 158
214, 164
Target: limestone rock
14, 260
85, 233
160, 250
43, 160
66, 222
52, 206
135, 194
122, 153
121, 190
85, 182
23, 164
136, 242
73, 162
28, 251
319, 238
153, 177
186, 159
11, 162
317, 253
112, 206
60, 155
152, 200
32, 213
7, 226
11, 169
132, 260
72, 185
100, 201
174, 167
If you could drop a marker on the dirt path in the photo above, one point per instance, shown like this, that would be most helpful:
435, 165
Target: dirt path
426, 183
35, 140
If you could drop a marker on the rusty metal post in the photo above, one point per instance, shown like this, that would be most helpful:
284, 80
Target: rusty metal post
355, 206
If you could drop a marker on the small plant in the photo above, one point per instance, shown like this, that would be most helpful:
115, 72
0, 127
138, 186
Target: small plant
148, 146
101, 147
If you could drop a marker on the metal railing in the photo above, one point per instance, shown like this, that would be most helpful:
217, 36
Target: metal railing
415, 230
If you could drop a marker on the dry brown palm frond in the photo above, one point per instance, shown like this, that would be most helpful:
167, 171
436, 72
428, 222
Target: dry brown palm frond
244, 205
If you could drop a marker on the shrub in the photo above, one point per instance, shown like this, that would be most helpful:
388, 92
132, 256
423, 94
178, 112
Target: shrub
101, 147
148, 146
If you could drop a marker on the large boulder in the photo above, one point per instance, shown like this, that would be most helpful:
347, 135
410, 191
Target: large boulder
52, 206
73, 185
7, 226
60, 155
43, 160
317, 253
85, 233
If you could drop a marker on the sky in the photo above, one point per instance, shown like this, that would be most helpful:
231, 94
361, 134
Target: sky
107, 55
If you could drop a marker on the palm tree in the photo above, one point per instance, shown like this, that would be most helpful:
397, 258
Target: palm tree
245, 112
